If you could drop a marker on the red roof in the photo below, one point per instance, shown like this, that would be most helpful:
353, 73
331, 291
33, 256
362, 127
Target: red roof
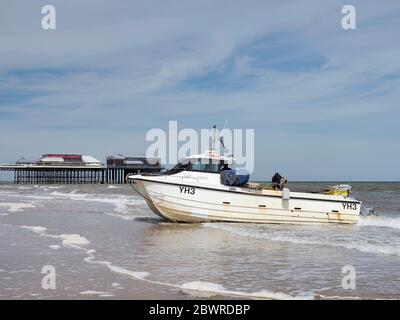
65, 156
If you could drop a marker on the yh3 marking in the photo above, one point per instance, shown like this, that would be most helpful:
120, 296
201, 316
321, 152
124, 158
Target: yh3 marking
349, 206
187, 190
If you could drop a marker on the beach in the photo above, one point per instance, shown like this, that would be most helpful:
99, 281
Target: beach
104, 242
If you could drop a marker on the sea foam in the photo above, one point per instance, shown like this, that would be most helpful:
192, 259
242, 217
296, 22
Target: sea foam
36, 229
359, 245
380, 221
16, 207
73, 239
209, 289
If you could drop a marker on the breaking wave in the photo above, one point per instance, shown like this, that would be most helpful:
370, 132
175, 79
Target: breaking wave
125, 207
36, 229
194, 288
209, 289
16, 207
97, 293
309, 239
139, 275
380, 221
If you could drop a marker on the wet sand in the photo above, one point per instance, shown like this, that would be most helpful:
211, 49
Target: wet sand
105, 243
25, 253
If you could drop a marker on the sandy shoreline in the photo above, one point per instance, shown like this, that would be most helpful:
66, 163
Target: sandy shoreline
31, 252
105, 243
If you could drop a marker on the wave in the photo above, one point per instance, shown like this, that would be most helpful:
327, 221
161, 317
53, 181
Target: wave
73, 239
51, 187
121, 206
16, 207
74, 195
362, 246
36, 229
373, 221
139, 275
97, 293
135, 274
125, 207
209, 289
194, 288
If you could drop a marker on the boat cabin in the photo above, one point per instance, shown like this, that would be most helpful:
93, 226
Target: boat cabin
209, 162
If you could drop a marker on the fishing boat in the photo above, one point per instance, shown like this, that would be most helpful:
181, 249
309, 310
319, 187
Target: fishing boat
199, 189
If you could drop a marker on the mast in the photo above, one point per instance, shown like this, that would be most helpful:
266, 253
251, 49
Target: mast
213, 138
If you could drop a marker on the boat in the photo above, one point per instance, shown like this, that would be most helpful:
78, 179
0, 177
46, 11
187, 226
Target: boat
196, 190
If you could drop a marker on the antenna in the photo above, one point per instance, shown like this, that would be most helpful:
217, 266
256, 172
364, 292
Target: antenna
226, 122
213, 137
221, 138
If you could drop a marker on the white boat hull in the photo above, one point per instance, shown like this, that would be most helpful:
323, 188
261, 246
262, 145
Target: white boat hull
194, 202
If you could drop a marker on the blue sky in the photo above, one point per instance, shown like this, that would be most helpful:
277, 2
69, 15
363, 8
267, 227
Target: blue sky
323, 101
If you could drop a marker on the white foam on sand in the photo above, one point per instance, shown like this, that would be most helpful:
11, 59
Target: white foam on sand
73, 195
36, 229
209, 289
16, 207
97, 293
106, 295
51, 187
195, 288
122, 204
135, 274
140, 275
73, 239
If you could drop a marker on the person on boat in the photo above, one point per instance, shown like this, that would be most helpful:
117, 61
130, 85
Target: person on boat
189, 166
225, 167
278, 182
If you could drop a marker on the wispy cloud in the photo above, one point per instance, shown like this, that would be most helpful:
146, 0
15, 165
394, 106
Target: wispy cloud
286, 69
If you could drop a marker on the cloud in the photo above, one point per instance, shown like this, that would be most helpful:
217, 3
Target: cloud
118, 70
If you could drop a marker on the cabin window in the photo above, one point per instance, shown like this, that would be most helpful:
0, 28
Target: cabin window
206, 165
181, 166
202, 165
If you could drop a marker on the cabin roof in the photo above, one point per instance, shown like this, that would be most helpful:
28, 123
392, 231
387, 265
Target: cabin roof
210, 155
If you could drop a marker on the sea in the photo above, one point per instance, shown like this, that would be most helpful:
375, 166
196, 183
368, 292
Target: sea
103, 242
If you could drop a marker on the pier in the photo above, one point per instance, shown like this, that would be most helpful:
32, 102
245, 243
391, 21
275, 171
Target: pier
52, 170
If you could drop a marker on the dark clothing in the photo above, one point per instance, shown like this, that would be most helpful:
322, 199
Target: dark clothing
223, 169
276, 178
277, 181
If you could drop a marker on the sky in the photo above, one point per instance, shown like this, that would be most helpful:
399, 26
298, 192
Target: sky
323, 101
